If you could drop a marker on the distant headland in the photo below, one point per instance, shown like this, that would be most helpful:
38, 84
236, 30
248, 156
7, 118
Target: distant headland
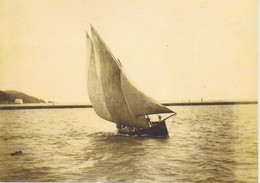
16, 97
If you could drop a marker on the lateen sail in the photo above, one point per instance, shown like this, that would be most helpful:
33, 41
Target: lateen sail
113, 97
110, 82
95, 90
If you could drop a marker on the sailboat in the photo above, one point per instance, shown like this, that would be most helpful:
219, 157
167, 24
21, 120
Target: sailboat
115, 99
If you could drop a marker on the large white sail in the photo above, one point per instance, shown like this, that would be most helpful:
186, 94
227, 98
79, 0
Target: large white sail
113, 97
95, 90
109, 73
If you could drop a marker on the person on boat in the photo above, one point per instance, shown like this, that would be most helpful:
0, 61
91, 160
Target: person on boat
148, 120
160, 117
121, 127
124, 128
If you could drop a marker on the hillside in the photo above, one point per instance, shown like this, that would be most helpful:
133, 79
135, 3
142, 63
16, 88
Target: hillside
9, 96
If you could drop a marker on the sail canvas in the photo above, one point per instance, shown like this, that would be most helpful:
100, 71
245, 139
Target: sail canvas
112, 95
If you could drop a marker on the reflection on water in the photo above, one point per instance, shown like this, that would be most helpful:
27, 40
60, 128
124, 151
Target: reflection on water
207, 144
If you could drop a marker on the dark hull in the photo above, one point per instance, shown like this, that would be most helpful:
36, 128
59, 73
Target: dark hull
158, 130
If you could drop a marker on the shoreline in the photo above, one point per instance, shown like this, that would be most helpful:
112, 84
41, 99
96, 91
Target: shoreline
63, 106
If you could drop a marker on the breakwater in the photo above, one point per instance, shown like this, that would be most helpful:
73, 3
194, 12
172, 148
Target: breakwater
62, 106
210, 103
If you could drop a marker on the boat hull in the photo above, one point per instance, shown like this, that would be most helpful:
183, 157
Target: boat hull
158, 130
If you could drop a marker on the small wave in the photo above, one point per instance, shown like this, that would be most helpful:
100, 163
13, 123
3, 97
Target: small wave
13, 137
103, 134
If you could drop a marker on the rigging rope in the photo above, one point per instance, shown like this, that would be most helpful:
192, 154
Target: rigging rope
172, 122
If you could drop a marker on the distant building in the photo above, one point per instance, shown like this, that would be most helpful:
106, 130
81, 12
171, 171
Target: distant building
18, 101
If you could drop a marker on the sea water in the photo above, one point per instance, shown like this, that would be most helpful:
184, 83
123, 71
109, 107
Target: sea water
206, 144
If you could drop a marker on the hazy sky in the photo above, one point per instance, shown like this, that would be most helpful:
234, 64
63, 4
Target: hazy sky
170, 49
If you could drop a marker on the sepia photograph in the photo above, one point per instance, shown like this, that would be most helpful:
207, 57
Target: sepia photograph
129, 91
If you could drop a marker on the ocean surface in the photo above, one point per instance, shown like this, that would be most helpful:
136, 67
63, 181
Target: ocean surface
206, 144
